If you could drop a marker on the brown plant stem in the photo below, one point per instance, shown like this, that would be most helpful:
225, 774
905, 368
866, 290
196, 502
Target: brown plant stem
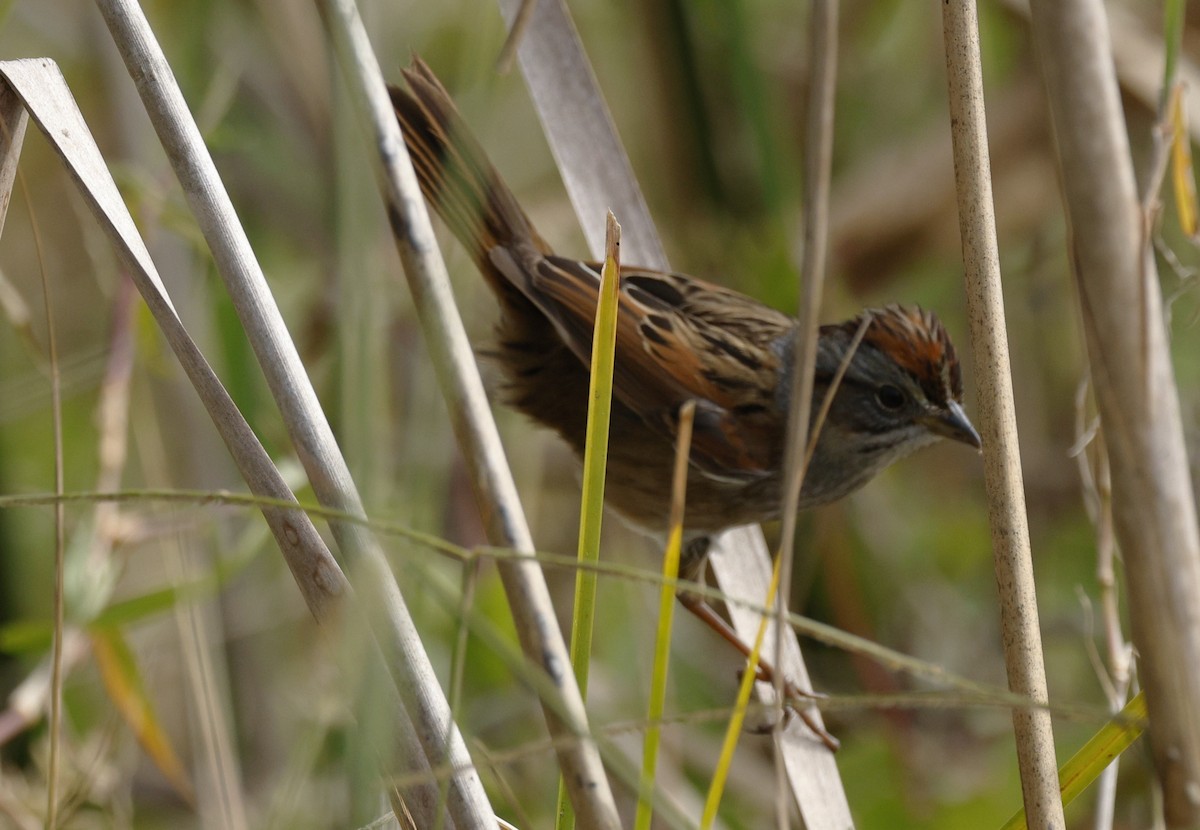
1116, 276
997, 418
822, 45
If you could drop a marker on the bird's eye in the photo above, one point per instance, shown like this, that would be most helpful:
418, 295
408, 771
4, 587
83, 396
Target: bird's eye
889, 397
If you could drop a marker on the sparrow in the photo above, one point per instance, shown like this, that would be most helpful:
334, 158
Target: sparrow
680, 339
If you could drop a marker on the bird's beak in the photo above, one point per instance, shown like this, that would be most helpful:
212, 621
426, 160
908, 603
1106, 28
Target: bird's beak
952, 423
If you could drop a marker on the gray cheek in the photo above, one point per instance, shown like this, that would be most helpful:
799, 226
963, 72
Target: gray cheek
839, 471
913, 438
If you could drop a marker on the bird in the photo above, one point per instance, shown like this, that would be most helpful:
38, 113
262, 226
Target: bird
680, 339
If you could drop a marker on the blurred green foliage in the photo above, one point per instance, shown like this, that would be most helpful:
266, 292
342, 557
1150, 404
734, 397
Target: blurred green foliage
709, 98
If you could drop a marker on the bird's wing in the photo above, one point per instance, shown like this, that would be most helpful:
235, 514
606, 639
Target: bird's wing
681, 339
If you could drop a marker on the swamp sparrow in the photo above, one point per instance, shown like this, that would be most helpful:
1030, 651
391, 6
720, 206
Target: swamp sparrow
680, 339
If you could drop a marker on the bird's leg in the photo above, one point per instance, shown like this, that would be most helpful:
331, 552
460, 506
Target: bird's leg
764, 671
693, 566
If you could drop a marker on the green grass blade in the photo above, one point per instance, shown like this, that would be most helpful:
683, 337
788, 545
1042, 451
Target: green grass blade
595, 459
666, 615
717, 788
1093, 758
1183, 176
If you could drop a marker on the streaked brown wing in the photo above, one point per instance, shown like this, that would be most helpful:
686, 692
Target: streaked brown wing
680, 339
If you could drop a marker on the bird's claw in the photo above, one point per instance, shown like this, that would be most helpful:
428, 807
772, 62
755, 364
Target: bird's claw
794, 706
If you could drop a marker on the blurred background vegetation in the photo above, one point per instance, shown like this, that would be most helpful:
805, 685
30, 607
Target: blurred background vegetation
709, 99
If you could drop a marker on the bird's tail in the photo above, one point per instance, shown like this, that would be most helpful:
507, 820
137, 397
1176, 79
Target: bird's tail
455, 175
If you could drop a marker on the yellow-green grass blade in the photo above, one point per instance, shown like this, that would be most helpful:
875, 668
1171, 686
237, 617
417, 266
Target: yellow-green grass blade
721, 774
1183, 176
1094, 757
595, 458
122, 679
666, 615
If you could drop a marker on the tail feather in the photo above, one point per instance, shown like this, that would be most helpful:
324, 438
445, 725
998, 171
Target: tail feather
545, 378
455, 175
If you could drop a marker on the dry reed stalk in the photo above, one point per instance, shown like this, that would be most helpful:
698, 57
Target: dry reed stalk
1116, 276
997, 418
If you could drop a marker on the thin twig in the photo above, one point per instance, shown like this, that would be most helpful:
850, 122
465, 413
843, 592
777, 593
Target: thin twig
458, 663
820, 632
508, 52
1113, 675
60, 542
222, 782
818, 146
